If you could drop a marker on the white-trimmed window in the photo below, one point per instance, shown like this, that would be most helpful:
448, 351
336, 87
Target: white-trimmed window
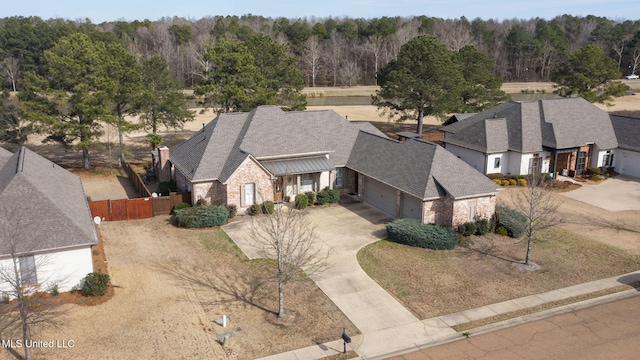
28, 275
339, 175
306, 182
607, 159
248, 194
472, 211
496, 163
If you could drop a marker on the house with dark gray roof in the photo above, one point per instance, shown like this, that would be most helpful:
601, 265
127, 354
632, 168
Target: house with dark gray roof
45, 222
627, 156
564, 136
268, 154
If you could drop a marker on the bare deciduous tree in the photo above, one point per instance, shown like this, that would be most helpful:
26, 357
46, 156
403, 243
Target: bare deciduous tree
10, 67
29, 310
288, 236
311, 58
539, 207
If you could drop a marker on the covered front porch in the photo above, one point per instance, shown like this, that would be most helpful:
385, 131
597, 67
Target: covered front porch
571, 161
299, 175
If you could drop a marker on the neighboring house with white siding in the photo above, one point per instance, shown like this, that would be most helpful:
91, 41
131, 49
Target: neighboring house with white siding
626, 158
564, 136
45, 221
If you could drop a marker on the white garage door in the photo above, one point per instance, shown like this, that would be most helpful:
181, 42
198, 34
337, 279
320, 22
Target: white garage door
411, 207
380, 195
630, 163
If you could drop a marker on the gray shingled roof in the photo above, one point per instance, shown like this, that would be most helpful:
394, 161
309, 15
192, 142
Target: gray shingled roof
627, 131
4, 156
419, 168
42, 205
554, 123
265, 133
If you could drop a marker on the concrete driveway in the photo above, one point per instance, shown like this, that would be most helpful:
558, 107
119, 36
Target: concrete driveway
385, 324
614, 194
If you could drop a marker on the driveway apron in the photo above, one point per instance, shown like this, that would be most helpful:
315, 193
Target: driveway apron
383, 321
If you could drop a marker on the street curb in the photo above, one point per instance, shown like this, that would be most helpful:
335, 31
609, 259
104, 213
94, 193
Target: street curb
515, 321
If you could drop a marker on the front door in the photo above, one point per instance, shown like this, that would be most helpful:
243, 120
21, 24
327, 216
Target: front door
581, 162
278, 195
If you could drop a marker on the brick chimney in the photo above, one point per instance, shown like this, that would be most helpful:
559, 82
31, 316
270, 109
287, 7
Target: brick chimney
164, 167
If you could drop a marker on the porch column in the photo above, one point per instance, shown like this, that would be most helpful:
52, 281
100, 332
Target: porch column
555, 164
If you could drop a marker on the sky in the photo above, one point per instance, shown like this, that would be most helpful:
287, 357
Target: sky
100, 11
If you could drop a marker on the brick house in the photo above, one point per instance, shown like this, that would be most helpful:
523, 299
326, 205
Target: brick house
558, 136
269, 154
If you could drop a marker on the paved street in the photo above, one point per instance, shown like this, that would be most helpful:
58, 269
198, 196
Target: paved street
607, 331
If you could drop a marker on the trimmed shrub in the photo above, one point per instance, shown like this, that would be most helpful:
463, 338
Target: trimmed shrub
512, 220
202, 216
233, 210
467, 229
180, 206
311, 196
495, 176
414, 233
497, 181
513, 182
267, 207
501, 230
504, 182
301, 201
522, 182
323, 197
201, 202
95, 284
483, 227
255, 209
592, 171
334, 196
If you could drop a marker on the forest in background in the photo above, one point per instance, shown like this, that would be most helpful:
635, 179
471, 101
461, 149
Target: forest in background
337, 51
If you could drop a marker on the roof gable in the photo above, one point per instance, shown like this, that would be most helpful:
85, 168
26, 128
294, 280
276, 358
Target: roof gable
48, 203
627, 131
265, 133
531, 126
419, 168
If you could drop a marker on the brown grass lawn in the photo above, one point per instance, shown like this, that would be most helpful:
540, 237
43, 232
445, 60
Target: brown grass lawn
481, 272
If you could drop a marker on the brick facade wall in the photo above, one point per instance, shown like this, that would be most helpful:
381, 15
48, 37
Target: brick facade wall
182, 184
437, 211
484, 209
249, 172
449, 212
212, 192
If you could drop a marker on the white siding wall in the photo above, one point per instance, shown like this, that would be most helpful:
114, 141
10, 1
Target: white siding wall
524, 162
65, 268
504, 163
515, 160
324, 180
474, 158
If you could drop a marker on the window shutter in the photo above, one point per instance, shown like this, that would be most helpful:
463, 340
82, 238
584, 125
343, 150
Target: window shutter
242, 196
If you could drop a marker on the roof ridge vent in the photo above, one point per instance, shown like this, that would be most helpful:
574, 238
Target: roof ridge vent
20, 167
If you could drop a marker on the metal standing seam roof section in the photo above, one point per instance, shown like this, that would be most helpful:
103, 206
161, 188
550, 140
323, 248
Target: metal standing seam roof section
298, 166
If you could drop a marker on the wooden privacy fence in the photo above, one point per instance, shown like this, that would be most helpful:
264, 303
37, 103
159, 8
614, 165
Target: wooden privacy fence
134, 209
137, 182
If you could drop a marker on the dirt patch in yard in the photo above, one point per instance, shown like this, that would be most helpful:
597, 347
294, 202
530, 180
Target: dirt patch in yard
170, 285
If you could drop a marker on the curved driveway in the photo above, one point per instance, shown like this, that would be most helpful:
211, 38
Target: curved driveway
385, 324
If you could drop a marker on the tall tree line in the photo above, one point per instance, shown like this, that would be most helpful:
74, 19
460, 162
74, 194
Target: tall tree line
330, 51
